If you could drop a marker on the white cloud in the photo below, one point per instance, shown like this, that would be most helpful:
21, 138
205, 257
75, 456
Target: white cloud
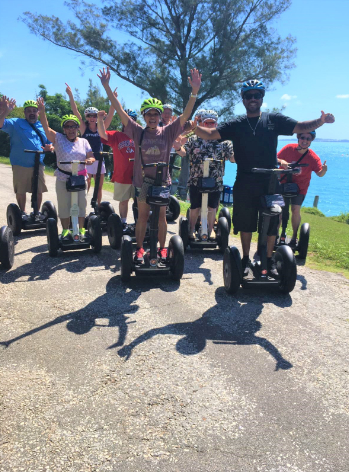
342, 96
286, 96
265, 105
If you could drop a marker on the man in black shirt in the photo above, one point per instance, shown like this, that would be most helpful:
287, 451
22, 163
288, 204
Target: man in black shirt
254, 138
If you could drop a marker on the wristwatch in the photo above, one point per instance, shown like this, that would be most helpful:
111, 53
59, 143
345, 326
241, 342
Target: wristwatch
192, 95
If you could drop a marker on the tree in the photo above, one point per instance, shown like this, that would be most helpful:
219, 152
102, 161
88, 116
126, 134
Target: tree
229, 41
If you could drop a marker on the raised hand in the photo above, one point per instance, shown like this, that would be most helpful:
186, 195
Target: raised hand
101, 114
68, 90
7, 104
324, 166
105, 76
327, 117
41, 105
195, 81
115, 93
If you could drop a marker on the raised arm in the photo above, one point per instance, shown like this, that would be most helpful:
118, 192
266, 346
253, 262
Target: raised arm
101, 125
50, 133
195, 82
306, 126
207, 133
323, 170
6, 106
105, 78
110, 115
75, 109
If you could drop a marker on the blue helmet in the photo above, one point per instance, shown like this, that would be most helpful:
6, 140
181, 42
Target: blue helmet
253, 84
132, 114
312, 134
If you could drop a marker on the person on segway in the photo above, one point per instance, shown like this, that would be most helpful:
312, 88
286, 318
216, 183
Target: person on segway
155, 143
254, 138
198, 150
296, 154
68, 147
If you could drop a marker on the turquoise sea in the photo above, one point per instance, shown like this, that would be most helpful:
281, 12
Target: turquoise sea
333, 188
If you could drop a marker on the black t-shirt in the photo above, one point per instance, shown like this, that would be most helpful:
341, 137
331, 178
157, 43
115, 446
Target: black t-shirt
94, 140
259, 149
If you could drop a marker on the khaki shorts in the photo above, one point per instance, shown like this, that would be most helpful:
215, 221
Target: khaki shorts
123, 192
64, 200
22, 179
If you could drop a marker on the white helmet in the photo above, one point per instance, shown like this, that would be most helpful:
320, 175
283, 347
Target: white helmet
209, 115
200, 112
91, 110
167, 105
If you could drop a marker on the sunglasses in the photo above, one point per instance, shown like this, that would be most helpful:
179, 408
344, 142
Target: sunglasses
305, 138
70, 127
249, 96
91, 116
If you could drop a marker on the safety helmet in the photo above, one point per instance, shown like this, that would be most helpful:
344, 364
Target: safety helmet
69, 118
91, 110
167, 105
131, 113
253, 84
30, 103
312, 134
151, 103
209, 115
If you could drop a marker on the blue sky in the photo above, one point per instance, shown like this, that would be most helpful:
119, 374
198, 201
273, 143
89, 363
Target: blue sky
318, 82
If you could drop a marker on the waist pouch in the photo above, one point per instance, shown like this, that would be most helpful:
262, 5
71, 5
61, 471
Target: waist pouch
76, 183
158, 195
269, 201
289, 189
207, 184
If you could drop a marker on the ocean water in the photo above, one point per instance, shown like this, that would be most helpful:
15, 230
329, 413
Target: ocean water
332, 189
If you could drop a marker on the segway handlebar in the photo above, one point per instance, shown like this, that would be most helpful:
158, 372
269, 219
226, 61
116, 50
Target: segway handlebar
37, 151
156, 164
289, 170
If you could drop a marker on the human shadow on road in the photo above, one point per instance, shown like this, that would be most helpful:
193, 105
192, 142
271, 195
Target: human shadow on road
196, 258
232, 321
116, 306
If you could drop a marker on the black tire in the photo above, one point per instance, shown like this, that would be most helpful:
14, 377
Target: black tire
286, 267
183, 231
222, 234
303, 241
95, 232
232, 270
52, 237
105, 209
14, 219
86, 222
173, 209
7, 248
114, 228
224, 212
176, 257
126, 258
49, 210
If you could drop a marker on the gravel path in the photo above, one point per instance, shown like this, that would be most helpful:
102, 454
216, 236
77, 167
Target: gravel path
155, 375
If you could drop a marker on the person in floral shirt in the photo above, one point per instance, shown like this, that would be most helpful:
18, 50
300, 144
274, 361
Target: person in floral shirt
198, 150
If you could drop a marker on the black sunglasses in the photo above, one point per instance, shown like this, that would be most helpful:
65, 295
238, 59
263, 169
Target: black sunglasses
91, 116
249, 96
305, 138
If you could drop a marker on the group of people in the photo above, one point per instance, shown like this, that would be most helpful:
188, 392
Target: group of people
249, 141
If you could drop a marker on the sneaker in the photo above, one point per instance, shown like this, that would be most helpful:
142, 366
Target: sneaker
124, 227
272, 270
65, 234
82, 231
192, 235
212, 236
293, 243
246, 266
162, 254
139, 255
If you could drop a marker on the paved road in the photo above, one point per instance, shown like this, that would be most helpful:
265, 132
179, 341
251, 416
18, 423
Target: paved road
161, 376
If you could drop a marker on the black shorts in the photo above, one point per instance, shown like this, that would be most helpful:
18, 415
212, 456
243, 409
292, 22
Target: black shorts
196, 198
298, 200
247, 195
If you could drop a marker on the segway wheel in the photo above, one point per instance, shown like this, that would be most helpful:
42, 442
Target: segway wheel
114, 227
52, 237
173, 209
286, 267
224, 212
126, 258
95, 232
176, 257
183, 231
14, 219
49, 210
303, 241
105, 209
222, 234
232, 270
7, 248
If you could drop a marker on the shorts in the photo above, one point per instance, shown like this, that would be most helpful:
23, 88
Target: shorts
92, 169
64, 200
142, 192
123, 192
298, 200
196, 198
22, 179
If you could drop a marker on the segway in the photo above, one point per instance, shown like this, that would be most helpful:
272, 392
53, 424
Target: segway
174, 264
173, 208
18, 221
222, 228
290, 190
7, 248
74, 240
284, 258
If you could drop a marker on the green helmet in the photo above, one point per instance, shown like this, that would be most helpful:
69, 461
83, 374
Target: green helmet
30, 103
69, 118
153, 103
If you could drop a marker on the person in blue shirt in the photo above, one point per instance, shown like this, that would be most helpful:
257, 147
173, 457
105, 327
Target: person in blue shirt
25, 133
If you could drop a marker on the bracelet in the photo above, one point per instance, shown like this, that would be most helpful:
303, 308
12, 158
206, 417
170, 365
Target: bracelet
192, 95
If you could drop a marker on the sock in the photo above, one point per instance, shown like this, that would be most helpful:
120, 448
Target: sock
123, 220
